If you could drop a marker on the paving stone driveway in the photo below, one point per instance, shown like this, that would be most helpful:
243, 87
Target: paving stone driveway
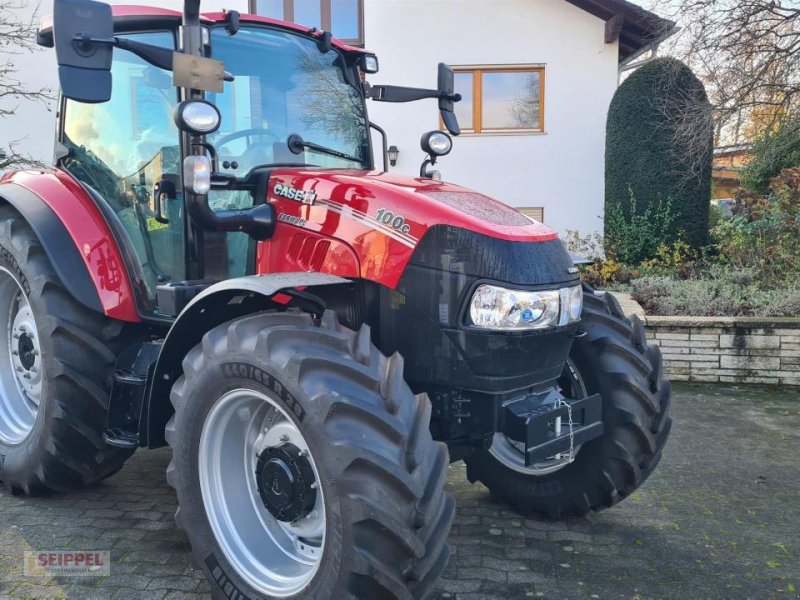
719, 519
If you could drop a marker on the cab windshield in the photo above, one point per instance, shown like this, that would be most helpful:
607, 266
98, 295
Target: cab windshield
284, 85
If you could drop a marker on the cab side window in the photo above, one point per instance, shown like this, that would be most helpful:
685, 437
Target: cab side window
122, 148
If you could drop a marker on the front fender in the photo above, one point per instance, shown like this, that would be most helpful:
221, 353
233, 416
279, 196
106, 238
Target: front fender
220, 303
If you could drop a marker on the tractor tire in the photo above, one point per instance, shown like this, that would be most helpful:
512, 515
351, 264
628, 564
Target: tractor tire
363, 514
56, 365
614, 360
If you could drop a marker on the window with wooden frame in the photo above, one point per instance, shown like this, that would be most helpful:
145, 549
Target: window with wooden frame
500, 99
533, 212
343, 18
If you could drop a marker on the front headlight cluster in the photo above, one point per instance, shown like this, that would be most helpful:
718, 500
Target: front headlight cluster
502, 309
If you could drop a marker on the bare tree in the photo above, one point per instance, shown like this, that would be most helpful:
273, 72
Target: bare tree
17, 36
687, 113
747, 52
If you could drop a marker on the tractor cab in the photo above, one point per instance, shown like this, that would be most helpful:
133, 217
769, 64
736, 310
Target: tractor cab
127, 149
271, 95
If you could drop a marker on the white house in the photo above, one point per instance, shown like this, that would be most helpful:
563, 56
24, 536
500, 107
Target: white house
537, 77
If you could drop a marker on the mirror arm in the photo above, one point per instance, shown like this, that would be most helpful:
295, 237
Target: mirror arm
154, 55
258, 222
385, 140
394, 93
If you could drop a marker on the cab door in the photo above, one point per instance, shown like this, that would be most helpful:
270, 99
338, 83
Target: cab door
121, 150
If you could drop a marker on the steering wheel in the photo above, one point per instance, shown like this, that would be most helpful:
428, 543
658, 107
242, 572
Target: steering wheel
248, 133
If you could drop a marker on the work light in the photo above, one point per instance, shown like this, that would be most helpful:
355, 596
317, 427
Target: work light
370, 63
436, 143
197, 116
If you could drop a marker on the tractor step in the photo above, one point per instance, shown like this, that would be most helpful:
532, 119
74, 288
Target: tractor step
130, 385
549, 424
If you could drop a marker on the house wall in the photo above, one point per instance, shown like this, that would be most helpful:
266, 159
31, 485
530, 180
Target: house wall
561, 169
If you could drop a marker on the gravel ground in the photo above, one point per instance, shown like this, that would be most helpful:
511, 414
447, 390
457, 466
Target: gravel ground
719, 519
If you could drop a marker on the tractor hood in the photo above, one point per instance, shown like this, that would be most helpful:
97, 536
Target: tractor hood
384, 218
415, 204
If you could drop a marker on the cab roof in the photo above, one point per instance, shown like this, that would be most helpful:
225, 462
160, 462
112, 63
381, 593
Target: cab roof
132, 16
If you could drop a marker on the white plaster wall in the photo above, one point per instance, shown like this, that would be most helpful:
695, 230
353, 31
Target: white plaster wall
562, 169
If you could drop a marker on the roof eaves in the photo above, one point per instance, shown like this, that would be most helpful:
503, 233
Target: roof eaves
640, 29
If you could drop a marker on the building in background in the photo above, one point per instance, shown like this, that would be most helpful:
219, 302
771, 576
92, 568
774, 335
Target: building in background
729, 161
537, 77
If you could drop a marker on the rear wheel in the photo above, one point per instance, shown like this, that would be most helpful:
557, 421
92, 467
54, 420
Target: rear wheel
304, 465
614, 360
56, 361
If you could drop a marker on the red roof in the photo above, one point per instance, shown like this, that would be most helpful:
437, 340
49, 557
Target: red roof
133, 10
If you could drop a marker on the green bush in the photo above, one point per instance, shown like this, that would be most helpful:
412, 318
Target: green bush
659, 150
773, 152
755, 270
724, 292
764, 232
634, 237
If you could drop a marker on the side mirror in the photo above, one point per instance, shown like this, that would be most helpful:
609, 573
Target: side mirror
82, 30
448, 98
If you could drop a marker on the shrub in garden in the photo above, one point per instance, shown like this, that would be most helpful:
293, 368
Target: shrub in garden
659, 151
764, 231
588, 246
636, 236
723, 292
602, 271
773, 152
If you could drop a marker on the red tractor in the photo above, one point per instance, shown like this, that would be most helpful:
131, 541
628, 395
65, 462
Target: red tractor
215, 263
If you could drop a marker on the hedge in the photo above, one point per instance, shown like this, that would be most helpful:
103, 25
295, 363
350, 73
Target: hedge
645, 156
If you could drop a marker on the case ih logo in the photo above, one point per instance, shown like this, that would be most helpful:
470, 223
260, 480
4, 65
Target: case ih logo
300, 196
44, 563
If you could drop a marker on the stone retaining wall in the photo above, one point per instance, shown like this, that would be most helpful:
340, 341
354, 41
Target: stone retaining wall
728, 349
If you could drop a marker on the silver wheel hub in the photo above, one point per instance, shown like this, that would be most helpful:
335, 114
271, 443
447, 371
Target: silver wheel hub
261, 492
20, 363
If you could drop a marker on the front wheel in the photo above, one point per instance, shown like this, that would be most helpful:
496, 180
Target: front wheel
304, 465
614, 360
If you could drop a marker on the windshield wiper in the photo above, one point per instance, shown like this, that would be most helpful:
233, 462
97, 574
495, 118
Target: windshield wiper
297, 145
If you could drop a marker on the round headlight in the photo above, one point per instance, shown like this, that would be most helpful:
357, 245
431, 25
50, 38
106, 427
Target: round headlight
437, 143
197, 116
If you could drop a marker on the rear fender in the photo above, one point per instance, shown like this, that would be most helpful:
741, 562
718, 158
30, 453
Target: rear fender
222, 302
56, 242
76, 238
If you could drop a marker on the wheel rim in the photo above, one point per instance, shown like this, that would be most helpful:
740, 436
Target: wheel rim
277, 558
512, 453
20, 363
